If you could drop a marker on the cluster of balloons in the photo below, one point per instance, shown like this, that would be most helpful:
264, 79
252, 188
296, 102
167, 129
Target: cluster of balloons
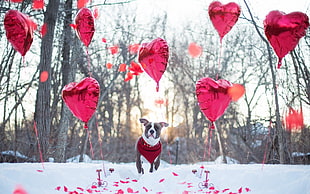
82, 98
214, 96
283, 31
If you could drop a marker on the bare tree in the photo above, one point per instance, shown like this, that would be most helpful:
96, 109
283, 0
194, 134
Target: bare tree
42, 111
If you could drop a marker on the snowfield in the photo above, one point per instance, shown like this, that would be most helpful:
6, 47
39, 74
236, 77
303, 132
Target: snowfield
78, 178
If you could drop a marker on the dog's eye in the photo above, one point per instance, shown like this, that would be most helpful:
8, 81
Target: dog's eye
148, 127
156, 127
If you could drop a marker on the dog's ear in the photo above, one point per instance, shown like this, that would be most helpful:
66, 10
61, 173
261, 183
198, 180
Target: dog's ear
164, 124
144, 121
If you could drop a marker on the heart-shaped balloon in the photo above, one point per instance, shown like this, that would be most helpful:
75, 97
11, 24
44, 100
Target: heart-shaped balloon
153, 58
213, 97
19, 30
224, 17
85, 25
82, 98
283, 31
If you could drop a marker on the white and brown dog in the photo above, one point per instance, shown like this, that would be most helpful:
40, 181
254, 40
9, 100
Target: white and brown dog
148, 146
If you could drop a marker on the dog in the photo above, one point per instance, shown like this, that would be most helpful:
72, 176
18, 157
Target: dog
148, 146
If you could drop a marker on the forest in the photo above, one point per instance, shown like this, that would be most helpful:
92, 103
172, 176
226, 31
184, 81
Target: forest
35, 122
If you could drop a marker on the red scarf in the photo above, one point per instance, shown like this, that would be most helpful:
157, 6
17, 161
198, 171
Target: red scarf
148, 151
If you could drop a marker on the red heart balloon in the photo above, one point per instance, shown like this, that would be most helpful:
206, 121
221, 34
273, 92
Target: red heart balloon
19, 30
223, 17
85, 23
213, 97
153, 58
283, 31
82, 98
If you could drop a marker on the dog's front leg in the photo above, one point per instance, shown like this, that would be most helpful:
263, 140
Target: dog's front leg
157, 162
139, 163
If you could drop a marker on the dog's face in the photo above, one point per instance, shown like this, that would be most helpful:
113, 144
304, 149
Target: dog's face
152, 131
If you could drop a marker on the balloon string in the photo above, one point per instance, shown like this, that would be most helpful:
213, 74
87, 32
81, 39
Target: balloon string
90, 143
160, 111
279, 63
219, 60
38, 141
88, 62
100, 144
208, 142
205, 149
24, 61
101, 154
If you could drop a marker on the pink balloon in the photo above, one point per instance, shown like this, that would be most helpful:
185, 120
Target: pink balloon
82, 98
19, 30
153, 58
223, 17
85, 25
213, 97
283, 31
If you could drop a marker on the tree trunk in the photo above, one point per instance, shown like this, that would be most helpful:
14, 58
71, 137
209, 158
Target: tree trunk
220, 141
279, 130
42, 115
68, 74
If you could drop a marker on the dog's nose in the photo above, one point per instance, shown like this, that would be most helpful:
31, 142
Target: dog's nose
152, 131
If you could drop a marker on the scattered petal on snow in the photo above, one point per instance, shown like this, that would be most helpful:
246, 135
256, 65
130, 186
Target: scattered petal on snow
175, 174
145, 189
120, 191
58, 188
130, 190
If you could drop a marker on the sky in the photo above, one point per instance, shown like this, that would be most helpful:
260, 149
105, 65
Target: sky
185, 9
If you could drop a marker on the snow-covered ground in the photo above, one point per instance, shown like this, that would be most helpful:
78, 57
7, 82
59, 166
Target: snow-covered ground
78, 178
